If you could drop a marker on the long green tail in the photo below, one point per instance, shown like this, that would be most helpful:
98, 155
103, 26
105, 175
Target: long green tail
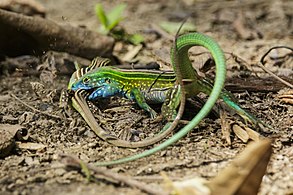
184, 42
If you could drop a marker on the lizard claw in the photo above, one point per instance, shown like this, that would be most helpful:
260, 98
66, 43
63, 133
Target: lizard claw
157, 119
152, 113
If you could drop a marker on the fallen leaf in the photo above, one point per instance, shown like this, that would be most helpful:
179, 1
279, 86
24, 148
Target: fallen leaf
31, 146
244, 175
240, 133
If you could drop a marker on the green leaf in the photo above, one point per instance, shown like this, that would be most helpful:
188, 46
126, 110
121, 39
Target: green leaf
136, 39
115, 16
111, 20
172, 27
101, 15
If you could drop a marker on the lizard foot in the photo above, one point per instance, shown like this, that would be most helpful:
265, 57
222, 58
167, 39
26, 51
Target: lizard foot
157, 119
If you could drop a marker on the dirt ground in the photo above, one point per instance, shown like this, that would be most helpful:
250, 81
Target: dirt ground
245, 28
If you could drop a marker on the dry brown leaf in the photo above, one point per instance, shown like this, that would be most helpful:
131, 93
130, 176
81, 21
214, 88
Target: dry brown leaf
31, 146
255, 136
286, 96
240, 133
195, 186
244, 175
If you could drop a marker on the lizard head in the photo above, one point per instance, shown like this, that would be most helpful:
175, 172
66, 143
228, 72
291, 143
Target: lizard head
90, 81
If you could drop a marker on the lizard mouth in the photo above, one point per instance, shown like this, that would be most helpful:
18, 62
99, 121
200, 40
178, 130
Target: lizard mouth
90, 91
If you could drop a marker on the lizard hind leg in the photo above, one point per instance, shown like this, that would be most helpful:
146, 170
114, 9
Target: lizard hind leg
247, 117
171, 103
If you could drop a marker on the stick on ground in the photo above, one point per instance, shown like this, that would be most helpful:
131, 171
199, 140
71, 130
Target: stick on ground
20, 34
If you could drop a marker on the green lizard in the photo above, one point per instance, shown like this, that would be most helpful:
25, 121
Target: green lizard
189, 80
105, 79
80, 104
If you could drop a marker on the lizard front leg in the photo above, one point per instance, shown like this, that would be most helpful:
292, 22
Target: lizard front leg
135, 94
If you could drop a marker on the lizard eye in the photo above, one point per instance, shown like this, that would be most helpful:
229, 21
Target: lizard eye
86, 80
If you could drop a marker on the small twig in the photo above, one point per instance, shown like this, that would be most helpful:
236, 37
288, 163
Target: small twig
130, 55
276, 47
73, 162
262, 62
154, 82
238, 59
274, 75
34, 109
